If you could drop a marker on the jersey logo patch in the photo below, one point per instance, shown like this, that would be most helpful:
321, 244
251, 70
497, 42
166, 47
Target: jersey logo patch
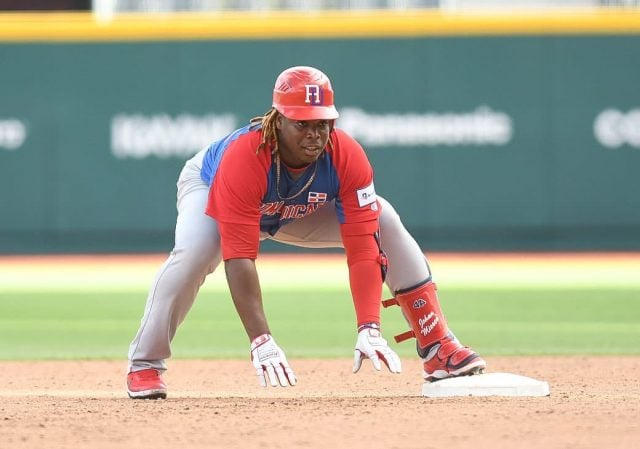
317, 197
366, 195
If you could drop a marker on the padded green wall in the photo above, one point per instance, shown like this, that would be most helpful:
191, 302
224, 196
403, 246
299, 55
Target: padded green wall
546, 180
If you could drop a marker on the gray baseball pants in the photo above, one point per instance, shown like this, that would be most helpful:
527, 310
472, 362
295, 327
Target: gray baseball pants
197, 253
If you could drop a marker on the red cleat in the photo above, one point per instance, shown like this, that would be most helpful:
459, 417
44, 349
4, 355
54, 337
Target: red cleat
146, 384
451, 359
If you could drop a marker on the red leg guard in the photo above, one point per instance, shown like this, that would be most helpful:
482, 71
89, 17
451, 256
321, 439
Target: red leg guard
421, 309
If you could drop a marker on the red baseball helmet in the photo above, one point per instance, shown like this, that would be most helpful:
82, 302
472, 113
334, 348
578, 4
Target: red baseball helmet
304, 93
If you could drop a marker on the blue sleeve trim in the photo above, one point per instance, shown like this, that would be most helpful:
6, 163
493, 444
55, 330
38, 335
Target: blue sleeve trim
216, 150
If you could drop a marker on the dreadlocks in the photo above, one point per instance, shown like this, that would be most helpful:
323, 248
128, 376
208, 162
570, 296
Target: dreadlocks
268, 122
269, 135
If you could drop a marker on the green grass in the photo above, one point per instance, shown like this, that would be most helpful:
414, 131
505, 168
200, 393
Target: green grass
321, 323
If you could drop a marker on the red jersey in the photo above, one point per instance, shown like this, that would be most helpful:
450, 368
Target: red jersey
245, 198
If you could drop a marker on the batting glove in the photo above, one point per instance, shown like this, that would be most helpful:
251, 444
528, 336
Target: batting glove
371, 345
267, 357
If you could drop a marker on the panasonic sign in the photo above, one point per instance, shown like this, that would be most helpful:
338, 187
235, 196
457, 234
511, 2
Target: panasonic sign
479, 127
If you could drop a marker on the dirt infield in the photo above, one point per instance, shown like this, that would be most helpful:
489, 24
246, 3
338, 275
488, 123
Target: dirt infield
594, 403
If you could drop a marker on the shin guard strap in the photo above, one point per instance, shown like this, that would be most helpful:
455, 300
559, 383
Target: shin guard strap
389, 302
404, 336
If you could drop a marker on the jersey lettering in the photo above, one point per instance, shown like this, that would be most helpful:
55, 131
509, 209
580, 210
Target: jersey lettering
289, 212
271, 208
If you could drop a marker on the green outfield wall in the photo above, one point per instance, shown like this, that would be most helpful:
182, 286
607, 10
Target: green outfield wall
484, 138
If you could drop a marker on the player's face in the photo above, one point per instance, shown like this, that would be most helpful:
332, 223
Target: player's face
301, 141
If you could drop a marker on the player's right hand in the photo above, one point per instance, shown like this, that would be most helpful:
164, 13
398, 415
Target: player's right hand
270, 362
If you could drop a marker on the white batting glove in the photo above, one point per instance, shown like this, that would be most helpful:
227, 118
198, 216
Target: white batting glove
267, 357
371, 345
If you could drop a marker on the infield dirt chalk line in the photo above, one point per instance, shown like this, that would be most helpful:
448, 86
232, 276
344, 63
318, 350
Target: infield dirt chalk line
271, 393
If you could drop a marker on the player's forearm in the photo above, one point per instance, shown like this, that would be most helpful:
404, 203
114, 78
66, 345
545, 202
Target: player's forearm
366, 289
365, 276
244, 285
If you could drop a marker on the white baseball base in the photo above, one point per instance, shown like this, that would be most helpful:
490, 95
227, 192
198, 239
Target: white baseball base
491, 384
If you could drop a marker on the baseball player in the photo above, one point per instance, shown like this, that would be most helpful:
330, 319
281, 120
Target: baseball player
292, 176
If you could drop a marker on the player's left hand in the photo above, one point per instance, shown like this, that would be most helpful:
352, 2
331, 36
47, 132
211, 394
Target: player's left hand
371, 345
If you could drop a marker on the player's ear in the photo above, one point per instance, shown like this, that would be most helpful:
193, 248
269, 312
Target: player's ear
279, 121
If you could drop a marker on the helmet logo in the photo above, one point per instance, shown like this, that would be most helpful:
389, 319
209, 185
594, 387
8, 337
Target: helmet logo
313, 94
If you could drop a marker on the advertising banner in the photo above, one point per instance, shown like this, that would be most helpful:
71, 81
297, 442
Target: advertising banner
480, 143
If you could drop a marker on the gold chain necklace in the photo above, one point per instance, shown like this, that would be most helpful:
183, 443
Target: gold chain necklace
305, 187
